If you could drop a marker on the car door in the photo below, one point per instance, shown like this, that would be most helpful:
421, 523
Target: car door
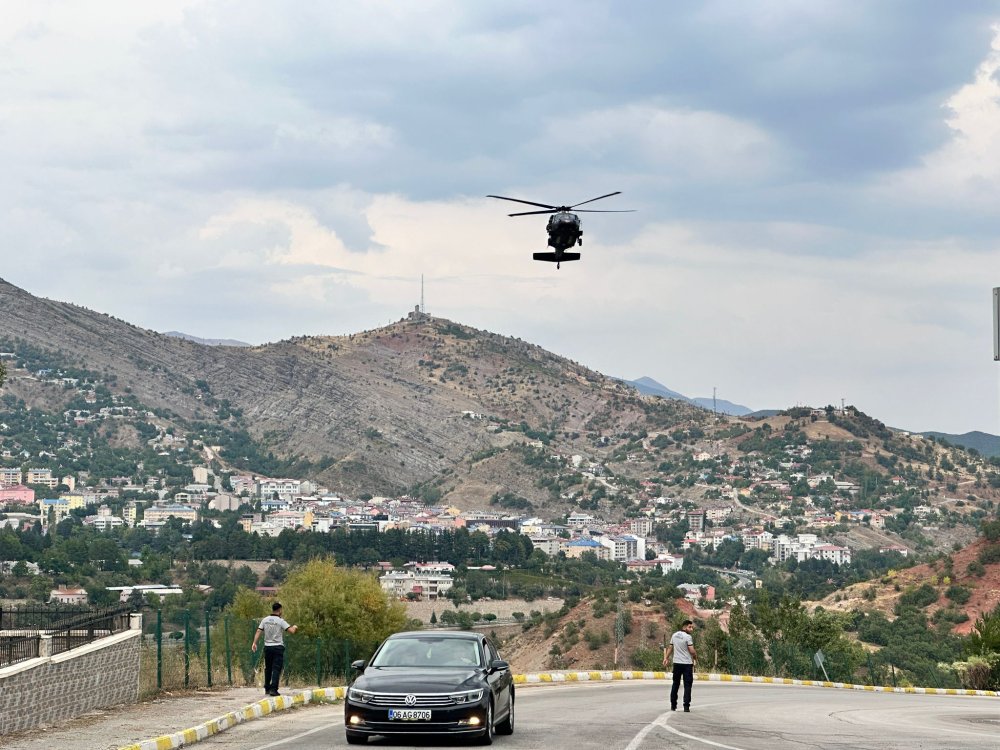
500, 681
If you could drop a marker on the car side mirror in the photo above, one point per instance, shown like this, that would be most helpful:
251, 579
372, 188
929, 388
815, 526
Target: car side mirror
359, 664
498, 665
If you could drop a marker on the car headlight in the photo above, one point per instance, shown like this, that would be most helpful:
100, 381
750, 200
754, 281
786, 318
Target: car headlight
467, 696
361, 696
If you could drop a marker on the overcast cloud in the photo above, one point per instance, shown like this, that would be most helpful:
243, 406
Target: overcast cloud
817, 184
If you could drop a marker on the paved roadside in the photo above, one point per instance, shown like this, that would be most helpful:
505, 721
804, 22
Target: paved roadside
109, 729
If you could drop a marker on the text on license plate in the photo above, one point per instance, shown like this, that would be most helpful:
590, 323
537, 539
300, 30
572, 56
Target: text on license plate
409, 714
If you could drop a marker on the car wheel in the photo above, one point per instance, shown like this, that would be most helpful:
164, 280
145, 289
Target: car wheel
354, 738
507, 725
487, 737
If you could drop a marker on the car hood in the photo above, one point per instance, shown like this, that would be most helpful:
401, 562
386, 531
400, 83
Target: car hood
414, 680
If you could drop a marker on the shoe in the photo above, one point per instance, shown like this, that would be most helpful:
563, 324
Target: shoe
673, 708
687, 710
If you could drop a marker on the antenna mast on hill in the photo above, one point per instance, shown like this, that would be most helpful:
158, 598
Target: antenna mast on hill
714, 410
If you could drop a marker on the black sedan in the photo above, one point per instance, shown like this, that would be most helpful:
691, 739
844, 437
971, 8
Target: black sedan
424, 682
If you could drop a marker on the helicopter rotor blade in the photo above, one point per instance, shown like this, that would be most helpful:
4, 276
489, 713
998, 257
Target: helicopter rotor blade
605, 210
600, 197
518, 200
530, 213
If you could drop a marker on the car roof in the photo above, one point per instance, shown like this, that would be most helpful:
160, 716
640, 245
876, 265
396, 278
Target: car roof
441, 634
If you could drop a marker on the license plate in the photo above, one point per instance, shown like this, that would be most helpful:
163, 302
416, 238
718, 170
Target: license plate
408, 714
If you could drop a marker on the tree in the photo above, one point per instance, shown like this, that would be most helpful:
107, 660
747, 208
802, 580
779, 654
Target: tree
248, 605
3, 373
327, 601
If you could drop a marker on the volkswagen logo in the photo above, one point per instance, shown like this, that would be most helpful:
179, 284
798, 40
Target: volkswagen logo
410, 700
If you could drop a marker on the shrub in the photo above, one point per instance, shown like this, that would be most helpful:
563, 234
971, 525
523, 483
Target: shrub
958, 594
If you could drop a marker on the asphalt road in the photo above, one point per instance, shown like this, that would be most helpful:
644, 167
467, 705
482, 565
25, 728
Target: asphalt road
636, 716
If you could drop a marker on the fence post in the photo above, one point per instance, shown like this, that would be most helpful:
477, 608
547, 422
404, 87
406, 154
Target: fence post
159, 650
229, 654
187, 646
319, 673
208, 647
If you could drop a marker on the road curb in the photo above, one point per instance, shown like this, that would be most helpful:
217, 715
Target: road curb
256, 710
324, 695
615, 675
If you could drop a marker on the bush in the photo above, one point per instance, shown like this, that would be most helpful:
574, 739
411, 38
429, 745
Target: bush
958, 594
648, 659
989, 554
921, 596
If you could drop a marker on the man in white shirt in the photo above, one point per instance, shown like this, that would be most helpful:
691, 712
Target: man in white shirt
273, 627
684, 657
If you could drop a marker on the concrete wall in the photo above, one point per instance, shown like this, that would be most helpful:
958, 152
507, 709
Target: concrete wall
51, 689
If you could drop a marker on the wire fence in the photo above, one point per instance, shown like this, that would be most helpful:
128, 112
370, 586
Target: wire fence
187, 650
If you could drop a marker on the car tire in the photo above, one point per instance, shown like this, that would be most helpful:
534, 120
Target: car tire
356, 738
487, 736
507, 725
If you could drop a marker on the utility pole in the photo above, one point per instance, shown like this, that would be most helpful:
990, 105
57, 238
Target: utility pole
714, 409
422, 308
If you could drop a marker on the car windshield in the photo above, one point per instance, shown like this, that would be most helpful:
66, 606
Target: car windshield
428, 652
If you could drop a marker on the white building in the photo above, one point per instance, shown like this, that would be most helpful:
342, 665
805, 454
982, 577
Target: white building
550, 545
833, 553
160, 513
641, 526
104, 520
669, 563
425, 585
284, 489
9, 477
624, 547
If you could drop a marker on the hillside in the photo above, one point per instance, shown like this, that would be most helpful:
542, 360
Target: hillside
948, 576
985, 443
423, 401
460, 416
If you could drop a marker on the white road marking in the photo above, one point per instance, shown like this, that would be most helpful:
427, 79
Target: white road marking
661, 721
300, 735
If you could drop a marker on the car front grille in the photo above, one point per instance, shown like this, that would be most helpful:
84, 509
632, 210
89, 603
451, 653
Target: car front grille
398, 700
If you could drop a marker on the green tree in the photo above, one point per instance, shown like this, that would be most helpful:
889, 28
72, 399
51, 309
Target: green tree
248, 605
327, 601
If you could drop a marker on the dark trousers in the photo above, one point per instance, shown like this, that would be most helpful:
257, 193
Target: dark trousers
687, 672
274, 661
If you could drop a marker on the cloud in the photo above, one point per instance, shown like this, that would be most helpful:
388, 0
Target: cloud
815, 184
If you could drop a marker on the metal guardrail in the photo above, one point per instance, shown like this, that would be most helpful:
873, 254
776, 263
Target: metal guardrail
23, 629
15, 648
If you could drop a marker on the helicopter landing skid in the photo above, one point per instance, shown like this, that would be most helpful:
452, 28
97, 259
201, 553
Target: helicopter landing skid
556, 258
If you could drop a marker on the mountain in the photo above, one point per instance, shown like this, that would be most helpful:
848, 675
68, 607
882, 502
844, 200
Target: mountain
985, 443
424, 404
206, 342
650, 387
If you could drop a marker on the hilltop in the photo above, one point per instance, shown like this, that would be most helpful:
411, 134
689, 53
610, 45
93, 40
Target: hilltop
458, 416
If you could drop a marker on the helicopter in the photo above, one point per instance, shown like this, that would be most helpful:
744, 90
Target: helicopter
564, 227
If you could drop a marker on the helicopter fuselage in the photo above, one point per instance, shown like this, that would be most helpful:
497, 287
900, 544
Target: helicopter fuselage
564, 231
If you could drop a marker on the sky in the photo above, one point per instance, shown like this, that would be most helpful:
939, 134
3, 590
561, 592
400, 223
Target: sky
816, 185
